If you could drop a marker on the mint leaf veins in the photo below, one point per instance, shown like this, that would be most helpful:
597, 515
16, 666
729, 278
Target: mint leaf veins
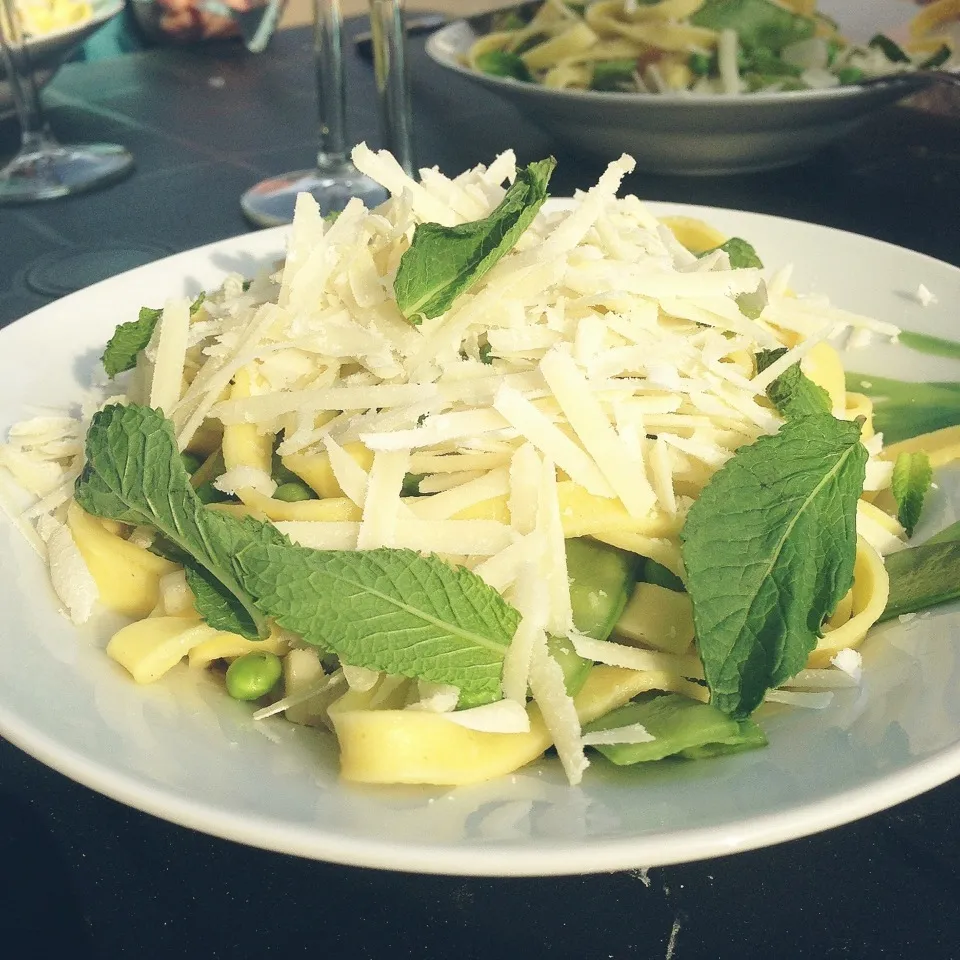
388, 609
444, 262
769, 549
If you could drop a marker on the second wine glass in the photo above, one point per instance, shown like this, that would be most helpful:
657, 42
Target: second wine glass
335, 180
43, 168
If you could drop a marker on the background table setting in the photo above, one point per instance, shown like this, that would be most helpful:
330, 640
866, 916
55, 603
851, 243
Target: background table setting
87, 874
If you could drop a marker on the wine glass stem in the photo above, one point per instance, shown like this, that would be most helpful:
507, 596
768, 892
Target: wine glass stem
390, 70
34, 132
331, 93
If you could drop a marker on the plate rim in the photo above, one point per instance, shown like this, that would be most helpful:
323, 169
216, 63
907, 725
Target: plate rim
496, 859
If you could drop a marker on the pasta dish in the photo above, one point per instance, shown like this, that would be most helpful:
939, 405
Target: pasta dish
472, 476
700, 46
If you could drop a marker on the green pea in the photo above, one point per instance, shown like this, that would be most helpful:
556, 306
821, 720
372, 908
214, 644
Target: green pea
253, 675
293, 492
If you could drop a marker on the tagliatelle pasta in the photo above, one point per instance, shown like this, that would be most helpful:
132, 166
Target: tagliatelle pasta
498, 489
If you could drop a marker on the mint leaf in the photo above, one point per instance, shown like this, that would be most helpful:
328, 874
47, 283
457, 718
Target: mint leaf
130, 338
922, 577
390, 610
769, 549
134, 474
793, 393
912, 476
741, 253
758, 23
386, 609
444, 262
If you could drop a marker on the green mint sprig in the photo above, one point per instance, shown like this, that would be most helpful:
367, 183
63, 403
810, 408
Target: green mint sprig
388, 609
912, 476
130, 338
793, 393
384, 609
444, 262
769, 549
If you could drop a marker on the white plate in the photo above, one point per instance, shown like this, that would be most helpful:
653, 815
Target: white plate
679, 134
183, 750
49, 51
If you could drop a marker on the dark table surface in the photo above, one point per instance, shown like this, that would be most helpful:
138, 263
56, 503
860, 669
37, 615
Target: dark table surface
83, 876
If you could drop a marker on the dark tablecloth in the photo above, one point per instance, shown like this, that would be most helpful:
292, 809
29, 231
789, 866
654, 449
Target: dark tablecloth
83, 876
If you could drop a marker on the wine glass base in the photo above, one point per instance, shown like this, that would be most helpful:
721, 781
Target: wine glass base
271, 202
62, 170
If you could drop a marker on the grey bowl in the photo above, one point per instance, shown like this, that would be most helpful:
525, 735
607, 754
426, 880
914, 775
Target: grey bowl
684, 133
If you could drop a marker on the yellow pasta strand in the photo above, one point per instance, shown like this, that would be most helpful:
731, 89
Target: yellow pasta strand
411, 746
664, 10
616, 49
566, 76
925, 26
662, 35
243, 444
666, 552
871, 587
823, 366
696, 235
127, 576
227, 646
314, 468
941, 446
490, 43
860, 405
258, 505
567, 44
149, 648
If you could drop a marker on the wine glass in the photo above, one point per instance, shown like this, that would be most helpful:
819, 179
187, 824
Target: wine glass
43, 168
335, 179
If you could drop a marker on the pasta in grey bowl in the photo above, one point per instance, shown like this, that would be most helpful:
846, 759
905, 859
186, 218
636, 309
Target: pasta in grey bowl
686, 131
